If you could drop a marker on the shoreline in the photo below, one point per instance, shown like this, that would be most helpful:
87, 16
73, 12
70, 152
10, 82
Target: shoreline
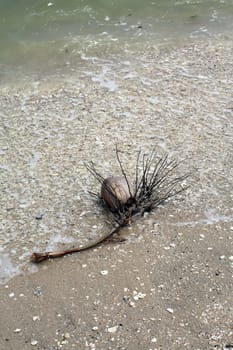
62, 120
177, 98
43, 67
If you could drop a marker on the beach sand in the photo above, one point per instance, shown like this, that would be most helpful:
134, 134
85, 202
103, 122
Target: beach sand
169, 286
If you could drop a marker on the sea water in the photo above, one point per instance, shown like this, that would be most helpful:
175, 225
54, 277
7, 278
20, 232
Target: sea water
40, 33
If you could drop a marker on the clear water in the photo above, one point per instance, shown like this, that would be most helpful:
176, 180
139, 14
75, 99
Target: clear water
35, 32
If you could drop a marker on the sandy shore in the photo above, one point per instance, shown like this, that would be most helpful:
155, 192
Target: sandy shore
169, 286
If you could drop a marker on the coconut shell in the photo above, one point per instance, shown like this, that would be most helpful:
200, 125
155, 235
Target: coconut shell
115, 192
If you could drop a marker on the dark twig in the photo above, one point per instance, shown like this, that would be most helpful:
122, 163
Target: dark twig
122, 170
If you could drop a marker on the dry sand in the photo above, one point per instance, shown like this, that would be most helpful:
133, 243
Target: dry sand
169, 286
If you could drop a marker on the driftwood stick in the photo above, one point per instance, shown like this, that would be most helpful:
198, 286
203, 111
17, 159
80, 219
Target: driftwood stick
39, 257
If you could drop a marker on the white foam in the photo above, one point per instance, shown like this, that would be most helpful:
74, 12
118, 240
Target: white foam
57, 239
7, 268
103, 79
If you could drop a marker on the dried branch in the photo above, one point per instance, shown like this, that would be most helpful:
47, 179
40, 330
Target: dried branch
39, 257
122, 170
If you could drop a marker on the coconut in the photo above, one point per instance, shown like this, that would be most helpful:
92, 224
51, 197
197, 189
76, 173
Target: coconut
115, 192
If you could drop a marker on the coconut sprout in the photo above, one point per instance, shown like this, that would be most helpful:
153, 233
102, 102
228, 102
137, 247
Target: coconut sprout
125, 200
154, 183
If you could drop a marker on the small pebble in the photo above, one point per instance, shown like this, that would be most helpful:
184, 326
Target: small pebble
39, 216
36, 318
37, 291
112, 329
132, 304
11, 295
170, 310
34, 342
104, 272
139, 295
17, 330
154, 340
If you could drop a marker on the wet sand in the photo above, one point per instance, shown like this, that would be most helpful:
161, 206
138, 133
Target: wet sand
169, 286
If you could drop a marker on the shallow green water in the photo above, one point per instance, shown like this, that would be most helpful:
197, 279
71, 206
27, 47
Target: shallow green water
35, 32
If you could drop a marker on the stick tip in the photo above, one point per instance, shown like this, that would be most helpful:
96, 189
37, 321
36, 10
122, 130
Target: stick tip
38, 257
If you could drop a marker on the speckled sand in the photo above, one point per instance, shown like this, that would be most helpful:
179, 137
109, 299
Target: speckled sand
169, 286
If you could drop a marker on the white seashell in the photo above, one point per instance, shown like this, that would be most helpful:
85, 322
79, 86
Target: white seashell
104, 272
170, 310
112, 329
17, 330
34, 342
